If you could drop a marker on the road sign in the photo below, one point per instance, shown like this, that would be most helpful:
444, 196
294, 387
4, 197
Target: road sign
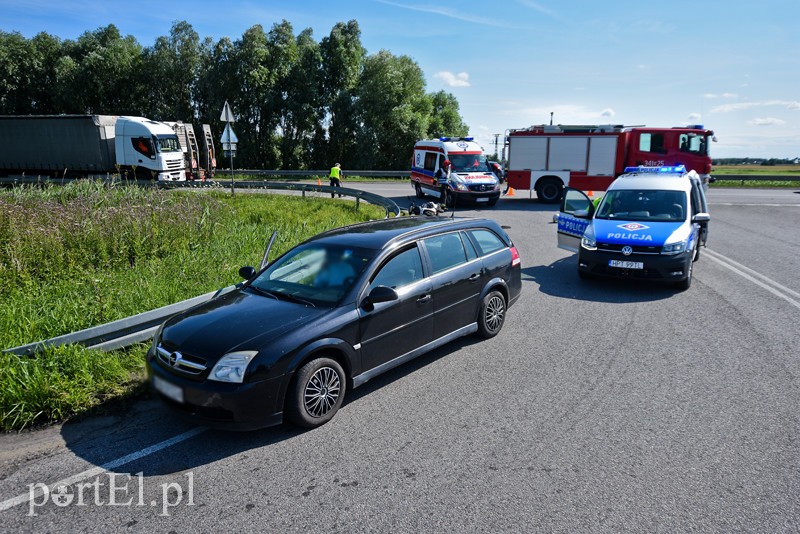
229, 139
227, 113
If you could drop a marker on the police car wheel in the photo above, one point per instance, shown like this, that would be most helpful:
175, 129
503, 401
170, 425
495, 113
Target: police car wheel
418, 190
696, 253
684, 284
492, 314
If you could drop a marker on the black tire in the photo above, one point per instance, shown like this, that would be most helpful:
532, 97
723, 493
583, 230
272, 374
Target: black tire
696, 253
449, 198
316, 393
492, 314
549, 190
418, 190
686, 283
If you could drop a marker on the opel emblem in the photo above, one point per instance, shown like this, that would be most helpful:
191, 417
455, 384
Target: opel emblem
175, 358
627, 250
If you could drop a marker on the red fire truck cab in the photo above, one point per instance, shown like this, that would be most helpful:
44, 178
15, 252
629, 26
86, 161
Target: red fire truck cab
546, 158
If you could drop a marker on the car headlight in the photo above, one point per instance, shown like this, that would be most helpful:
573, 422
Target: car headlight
232, 366
674, 248
588, 240
462, 186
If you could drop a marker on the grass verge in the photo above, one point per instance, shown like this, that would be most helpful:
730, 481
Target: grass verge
85, 254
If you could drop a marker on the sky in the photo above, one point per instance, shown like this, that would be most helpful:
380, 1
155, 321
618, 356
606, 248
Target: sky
732, 66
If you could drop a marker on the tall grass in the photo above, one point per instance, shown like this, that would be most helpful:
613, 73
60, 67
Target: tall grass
84, 254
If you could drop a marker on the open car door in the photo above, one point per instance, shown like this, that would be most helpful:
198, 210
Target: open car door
576, 213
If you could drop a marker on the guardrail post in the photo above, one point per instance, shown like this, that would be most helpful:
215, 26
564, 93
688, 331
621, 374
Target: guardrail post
358, 201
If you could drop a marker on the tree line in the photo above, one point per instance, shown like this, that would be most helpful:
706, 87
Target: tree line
299, 103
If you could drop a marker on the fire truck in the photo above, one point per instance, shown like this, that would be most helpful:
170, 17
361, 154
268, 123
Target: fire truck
546, 158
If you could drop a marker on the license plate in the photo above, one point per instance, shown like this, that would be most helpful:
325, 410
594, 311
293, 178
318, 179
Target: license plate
626, 264
482, 200
170, 391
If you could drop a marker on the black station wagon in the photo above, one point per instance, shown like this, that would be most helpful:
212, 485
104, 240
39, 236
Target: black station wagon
329, 315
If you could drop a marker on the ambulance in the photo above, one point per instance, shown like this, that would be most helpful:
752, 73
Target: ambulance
469, 180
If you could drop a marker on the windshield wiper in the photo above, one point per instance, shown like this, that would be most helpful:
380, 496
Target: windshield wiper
264, 292
296, 299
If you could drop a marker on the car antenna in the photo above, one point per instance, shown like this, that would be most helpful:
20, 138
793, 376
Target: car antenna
265, 259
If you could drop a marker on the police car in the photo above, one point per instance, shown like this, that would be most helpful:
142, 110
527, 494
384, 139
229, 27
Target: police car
650, 225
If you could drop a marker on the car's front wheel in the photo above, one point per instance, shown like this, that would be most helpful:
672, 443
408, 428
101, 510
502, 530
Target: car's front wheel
492, 314
418, 190
316, 393
684, 284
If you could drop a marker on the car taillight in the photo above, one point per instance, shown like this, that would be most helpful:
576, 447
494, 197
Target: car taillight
515, 259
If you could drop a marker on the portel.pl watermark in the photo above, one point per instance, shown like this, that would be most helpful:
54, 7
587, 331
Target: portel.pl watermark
120, 489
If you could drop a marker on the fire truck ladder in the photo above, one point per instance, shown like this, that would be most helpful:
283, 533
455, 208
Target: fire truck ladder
194, 151
207, 159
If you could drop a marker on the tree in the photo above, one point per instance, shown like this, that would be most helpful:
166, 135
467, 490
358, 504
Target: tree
342, 61
393, 110
445, 118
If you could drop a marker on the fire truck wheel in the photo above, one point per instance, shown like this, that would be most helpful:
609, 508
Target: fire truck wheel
418, 190
549, 190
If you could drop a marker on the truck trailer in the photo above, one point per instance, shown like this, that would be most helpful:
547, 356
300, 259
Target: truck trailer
546, 158
89, 145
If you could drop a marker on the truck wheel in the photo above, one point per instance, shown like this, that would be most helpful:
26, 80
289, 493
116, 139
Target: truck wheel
418, 190
549, 190
316, 393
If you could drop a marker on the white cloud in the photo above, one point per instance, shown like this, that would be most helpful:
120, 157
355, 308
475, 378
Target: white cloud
541, 9
454, 80
767, 121
726, 108
694, 117
457, 14
729, 95
562, 114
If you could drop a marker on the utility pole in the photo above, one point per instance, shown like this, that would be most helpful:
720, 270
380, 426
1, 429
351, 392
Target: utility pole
229, 139
496, 137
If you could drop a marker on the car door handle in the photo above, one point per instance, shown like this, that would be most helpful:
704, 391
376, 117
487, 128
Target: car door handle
474, 277
423, 299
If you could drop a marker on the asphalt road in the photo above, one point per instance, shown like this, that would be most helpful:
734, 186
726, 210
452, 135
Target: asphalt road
601, 407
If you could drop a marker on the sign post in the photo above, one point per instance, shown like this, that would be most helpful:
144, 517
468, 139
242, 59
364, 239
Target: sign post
229, 139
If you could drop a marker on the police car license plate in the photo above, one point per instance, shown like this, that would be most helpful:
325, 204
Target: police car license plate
170, 391
482, 199
626, 264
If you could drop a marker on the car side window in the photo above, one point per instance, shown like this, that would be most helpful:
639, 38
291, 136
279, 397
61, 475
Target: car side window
471, 253
445, 251
401, 270
487, 241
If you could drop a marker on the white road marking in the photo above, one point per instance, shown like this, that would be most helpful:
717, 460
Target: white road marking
757, 278
113, 464
753, 204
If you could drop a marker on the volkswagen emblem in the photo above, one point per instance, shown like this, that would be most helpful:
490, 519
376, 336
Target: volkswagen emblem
627, 250
175, 358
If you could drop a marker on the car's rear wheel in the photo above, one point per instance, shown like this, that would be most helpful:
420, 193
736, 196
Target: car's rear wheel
492, 314
418, 190
316, 393
549, 190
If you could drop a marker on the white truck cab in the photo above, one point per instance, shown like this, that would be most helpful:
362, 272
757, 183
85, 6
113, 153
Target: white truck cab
149, 147
467, 179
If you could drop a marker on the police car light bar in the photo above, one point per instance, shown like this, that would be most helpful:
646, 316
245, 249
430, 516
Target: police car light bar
674, 169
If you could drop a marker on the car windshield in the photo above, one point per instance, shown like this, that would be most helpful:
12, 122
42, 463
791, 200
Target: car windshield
469, 163
168, 143
314, 274
643, 205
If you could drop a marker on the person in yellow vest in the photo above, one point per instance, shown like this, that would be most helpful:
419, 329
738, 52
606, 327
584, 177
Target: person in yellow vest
336, 177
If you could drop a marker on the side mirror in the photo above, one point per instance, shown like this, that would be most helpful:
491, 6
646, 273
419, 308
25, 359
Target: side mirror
246, 273
379, 294
701, 218
582, 214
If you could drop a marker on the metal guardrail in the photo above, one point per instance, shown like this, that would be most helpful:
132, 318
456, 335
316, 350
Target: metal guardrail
117, 334
321, 173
